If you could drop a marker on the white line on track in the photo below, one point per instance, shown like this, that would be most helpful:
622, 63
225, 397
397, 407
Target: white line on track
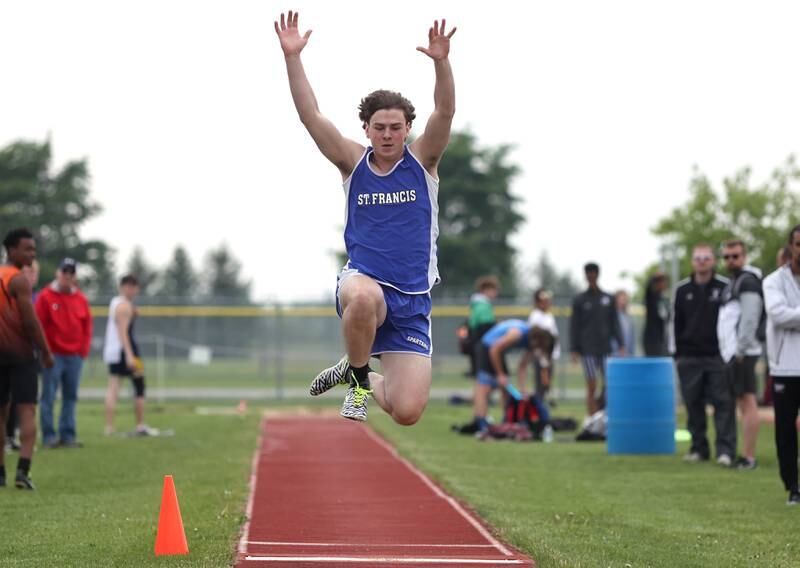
249, 509
365, 545
383, 560
453, 503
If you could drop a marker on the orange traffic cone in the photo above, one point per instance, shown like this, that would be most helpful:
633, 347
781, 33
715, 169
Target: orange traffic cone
170, 538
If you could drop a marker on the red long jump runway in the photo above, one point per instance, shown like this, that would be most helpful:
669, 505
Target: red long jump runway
327, 492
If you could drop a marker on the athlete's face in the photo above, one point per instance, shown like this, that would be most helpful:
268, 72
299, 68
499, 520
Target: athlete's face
734, 258
795, 246
130, 291
23, 254
702, 260
387, 132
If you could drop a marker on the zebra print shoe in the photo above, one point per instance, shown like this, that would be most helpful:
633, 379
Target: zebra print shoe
354, 406
330, 377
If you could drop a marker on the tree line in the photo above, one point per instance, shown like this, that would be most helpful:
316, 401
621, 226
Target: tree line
54, 205
478, 215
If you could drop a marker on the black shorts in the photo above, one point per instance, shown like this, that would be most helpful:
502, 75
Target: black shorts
485, 363
121, 369
19, 382
742, 375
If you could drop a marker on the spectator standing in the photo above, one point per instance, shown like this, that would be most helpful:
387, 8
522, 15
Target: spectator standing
481, 314
782, 298
541, 317
784, 256
121, 353
700, 369
31, 272
592, 327
656, 305
20, 337
626, 326
737, 328
67, 322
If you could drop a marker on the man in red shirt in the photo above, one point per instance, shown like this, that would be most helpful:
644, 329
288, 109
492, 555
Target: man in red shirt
67, 321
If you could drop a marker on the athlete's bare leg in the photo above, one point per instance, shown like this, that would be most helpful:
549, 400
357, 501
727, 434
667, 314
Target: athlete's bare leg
404, 387
27, 429
591, 402
363, 312
3, 418
480, 400
138, 410
748, 406
112, 392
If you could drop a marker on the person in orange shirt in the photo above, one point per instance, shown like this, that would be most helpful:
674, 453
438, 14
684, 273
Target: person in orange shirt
20, 336
12, 443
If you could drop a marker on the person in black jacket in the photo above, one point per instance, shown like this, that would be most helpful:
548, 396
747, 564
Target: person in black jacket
656, 306
592, 326
700, 368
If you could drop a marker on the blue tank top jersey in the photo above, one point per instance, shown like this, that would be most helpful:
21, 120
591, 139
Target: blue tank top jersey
391, 224
499, 330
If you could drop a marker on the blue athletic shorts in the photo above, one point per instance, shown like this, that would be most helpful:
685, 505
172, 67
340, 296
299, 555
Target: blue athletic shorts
487, 379
407, 327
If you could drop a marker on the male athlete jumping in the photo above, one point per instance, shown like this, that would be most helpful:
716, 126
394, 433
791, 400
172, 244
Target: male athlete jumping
391, 226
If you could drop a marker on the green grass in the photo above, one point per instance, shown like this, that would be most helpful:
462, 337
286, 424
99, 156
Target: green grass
247, 373
566, 504
570, 504
98, 506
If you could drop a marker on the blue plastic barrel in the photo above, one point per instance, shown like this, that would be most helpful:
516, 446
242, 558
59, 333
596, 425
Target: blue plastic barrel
640, 406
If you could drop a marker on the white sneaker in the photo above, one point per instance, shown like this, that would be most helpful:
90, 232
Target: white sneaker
694, 457
330, 377
145, 430
724, 460
355, 403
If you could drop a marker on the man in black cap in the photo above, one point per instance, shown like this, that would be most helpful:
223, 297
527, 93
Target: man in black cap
67, 322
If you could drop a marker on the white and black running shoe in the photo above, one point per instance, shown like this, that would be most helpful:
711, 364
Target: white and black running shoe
330, 377
354, 406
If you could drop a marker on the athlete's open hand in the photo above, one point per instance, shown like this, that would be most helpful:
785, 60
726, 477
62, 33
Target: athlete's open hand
438, 42
292, 43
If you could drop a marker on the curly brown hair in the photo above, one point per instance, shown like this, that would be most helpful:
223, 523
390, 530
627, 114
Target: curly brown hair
383, 99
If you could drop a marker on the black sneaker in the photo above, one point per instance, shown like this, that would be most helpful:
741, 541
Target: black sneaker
745, 463
794, 498
23, 481
2, 480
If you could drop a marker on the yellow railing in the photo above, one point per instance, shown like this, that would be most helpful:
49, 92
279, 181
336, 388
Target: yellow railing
318, 311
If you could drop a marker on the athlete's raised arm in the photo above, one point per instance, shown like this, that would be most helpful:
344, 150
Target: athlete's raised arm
342, 152
430, 146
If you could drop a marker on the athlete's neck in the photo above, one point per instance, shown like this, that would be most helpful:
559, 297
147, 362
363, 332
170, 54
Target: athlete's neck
384, 164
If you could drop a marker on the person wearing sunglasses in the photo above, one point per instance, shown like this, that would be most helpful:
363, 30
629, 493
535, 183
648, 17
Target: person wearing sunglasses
700, 370
741, 316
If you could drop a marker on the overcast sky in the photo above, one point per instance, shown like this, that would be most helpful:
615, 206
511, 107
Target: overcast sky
184, 113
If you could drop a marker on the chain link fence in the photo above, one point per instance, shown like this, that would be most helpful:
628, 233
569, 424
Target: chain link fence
273, 351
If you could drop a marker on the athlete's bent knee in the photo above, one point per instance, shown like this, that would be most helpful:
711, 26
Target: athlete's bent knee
407, 417
362, 302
